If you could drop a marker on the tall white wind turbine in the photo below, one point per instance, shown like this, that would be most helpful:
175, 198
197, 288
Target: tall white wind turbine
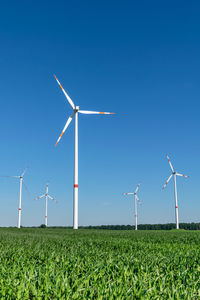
46, 196
174, 173
21, 180
75, 114
136, 199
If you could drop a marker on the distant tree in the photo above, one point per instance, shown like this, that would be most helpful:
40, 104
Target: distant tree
43, 226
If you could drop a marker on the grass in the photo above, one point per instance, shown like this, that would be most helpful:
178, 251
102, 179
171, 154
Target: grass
96, 264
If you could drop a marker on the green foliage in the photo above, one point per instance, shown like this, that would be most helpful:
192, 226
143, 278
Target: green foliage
43, 226
96, 264
169, 226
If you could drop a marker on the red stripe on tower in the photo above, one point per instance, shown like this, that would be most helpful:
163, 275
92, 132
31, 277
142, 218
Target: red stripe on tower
176, 206
20, 209
75, 185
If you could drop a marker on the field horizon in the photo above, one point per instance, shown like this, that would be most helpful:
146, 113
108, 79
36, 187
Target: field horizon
165, 226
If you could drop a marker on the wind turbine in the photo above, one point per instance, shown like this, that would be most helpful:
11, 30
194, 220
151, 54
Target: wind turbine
136, 199
174, 173
21, 180
46, 200
75, 114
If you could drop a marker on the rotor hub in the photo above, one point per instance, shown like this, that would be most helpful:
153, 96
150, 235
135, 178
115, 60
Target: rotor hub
76, 109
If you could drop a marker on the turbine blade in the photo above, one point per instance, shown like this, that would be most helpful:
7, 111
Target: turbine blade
170, 163
137, 187
138, 200
167, 181
128, 193
10, 176
26, 188
66, 125
88, 112
66, 95
37, 198
182, 175
24, 171
51, 198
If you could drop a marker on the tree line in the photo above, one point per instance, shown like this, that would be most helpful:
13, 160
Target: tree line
169, 226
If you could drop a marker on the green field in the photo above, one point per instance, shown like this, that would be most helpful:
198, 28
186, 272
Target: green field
97, 264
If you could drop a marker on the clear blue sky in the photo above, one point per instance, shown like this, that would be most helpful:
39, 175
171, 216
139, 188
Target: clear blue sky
140, 59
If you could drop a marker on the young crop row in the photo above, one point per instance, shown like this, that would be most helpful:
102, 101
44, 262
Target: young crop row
87, 264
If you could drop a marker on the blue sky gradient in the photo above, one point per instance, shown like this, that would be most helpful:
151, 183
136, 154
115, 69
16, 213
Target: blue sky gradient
139, 59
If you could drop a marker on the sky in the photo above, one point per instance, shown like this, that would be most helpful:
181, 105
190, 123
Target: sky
139, 59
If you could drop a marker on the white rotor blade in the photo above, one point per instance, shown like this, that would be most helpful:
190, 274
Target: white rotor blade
182, 175
138, 200
51, 198
170, 163
66, 125
25, 186
24, 171
137, 188
37, 198
128, 193
87, 112
10, 176
167, 181
66, 95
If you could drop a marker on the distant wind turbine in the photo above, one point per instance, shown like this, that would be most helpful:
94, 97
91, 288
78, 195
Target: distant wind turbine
136, 199
21, 180
75, 114
174, 173
46, 200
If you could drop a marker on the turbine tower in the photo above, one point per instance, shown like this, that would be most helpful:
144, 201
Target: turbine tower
46, 200
21, 181
174, 173
75, 114
136, 199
